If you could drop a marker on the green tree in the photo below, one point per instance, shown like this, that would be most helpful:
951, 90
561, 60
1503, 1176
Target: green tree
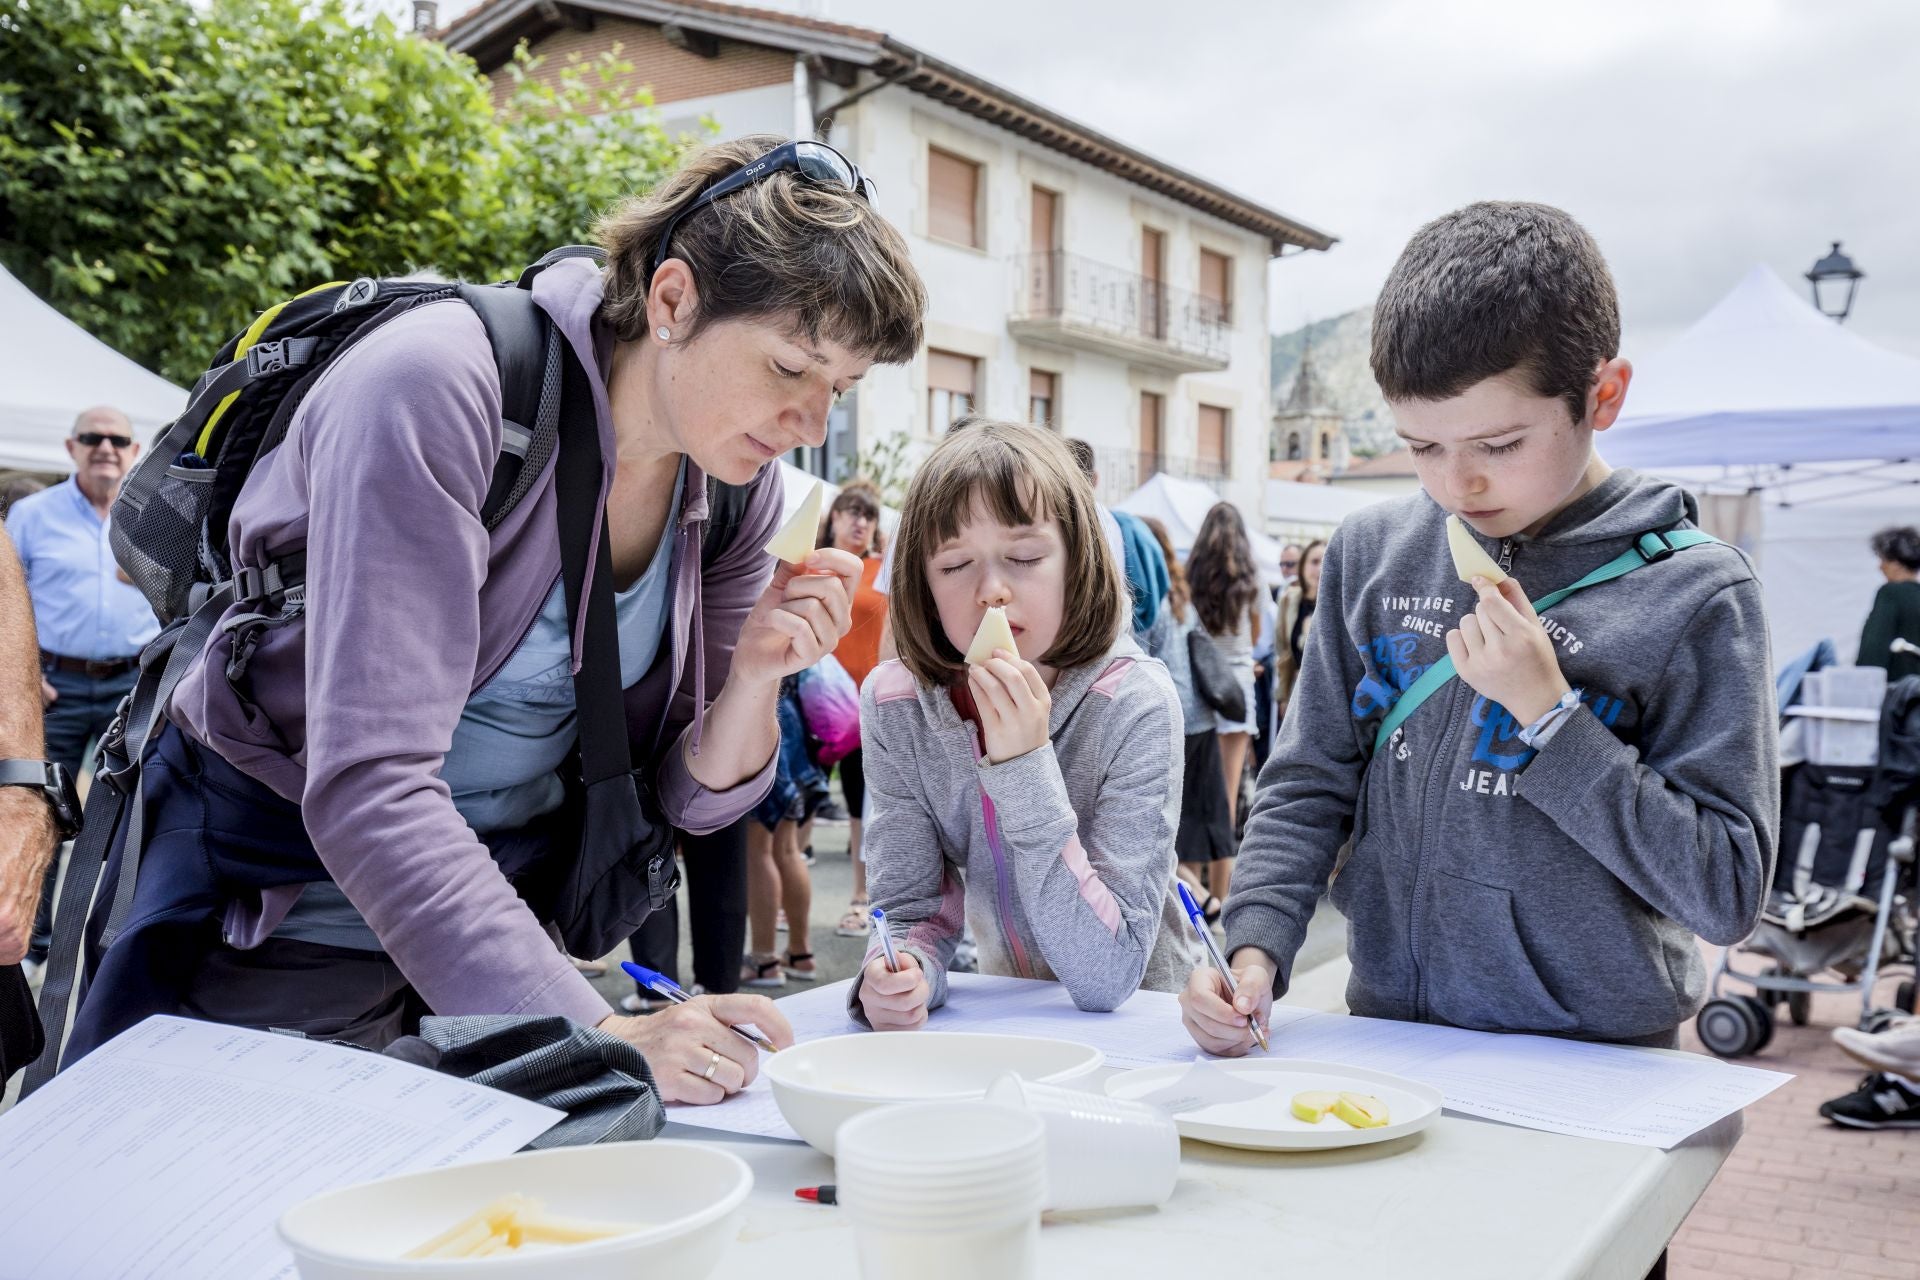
166, 170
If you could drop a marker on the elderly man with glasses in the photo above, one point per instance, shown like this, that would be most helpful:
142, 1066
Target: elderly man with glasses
91, 620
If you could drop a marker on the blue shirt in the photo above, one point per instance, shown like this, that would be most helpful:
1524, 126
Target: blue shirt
515, 732
81, 608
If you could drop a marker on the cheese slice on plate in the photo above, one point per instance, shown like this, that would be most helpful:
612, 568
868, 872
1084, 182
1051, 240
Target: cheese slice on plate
795, 541
1470, 560
994, 633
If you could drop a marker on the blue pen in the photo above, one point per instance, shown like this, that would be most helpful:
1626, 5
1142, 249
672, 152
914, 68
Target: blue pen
1199, 919
886, 939
667, 989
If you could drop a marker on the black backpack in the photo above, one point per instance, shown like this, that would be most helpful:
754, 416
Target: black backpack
169, 534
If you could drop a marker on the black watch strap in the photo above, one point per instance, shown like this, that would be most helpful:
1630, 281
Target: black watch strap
54, 784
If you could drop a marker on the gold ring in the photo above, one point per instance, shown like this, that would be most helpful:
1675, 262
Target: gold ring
712, 1067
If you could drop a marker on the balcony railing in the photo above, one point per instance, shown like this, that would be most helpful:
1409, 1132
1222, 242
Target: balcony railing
1124, 470
1063, 297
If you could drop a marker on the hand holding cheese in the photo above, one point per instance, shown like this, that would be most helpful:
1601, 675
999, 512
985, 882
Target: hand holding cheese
1470, 561
796, 539
994, 633
1500, 649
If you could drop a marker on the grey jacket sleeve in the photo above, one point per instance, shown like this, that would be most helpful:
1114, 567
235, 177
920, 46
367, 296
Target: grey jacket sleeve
908, 873
1686, 820
1095, 906
1303, 808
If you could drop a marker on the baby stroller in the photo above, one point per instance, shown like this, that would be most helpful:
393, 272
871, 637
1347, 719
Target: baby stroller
1843, 900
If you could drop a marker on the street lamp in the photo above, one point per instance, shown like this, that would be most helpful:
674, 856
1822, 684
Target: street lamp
1827, 277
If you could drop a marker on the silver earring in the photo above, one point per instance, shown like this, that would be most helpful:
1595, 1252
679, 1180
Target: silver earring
665, 334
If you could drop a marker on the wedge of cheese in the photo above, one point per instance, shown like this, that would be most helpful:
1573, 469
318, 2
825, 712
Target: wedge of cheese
1313, 1105
1470, 561
795, 541
994, 633
1361, 1110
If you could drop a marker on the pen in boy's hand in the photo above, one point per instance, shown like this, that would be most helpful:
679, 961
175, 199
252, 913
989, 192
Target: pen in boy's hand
1199, 919
669, 990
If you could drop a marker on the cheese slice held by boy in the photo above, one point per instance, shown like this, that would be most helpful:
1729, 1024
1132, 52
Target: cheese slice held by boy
994, 633
1470, 560
796, 539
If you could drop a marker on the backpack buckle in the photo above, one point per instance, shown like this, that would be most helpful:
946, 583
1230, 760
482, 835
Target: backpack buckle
266, 357
1653, 547
249, 584
274, 357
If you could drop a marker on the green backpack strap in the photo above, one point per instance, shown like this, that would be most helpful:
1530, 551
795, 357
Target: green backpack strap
1648, 548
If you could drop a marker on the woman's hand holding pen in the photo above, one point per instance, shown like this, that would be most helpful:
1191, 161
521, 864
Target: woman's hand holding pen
894, 1001
1216, 1020
692, 1048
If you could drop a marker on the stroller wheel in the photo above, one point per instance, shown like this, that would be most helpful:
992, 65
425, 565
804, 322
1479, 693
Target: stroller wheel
1730, 1028
1763, 1014
1800, 1007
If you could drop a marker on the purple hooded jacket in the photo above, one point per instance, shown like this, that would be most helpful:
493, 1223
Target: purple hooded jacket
411, 607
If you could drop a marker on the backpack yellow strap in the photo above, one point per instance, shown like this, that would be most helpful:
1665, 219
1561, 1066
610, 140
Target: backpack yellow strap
247, 339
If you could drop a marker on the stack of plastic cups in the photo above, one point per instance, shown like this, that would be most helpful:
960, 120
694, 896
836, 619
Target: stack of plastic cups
944, 1190
1102, 1153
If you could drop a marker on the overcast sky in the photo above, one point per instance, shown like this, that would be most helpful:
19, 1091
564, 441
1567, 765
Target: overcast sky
1692, 137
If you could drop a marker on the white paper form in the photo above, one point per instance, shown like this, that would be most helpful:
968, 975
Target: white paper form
173, 1149
1144, 1031
1610, 1092
1561, 1086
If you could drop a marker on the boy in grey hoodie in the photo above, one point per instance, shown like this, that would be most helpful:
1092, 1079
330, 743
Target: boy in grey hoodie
1537, 845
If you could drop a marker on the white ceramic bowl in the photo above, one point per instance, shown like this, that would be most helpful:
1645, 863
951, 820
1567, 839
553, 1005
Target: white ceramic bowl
821, 1084
688, 1197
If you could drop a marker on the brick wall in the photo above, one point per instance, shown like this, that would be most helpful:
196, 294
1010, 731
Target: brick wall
673, 74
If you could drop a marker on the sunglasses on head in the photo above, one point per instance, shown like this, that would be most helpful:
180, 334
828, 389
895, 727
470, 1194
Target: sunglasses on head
94, 439
814, 161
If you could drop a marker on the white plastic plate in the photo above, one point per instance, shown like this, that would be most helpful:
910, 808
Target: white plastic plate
1262, 1119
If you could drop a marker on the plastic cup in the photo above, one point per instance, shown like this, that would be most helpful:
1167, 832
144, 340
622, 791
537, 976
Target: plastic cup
944, 1190
1102, 1153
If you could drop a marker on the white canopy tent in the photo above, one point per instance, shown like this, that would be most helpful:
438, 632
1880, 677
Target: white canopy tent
51, 369
1766, 396
1764, 381
1317, 508
1182, 506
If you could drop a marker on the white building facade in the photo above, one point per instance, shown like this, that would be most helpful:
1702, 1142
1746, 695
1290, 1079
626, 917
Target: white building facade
1071, 280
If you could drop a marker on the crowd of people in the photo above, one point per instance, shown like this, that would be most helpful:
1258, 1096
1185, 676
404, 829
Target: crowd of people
376, 803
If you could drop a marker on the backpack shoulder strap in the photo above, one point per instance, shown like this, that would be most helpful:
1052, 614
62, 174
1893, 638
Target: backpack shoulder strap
1648, 548
527, 354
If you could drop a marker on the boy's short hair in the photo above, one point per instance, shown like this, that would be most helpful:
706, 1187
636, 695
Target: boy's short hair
1021, 475
1495, 287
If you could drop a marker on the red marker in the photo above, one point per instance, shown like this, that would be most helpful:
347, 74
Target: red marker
818, 1195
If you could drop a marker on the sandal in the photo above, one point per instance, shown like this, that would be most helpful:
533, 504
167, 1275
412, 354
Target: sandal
794, 959
756, 972
856, 920
1211, 911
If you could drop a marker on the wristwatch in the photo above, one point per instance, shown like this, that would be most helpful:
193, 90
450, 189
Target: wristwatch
1536, 734
54, 784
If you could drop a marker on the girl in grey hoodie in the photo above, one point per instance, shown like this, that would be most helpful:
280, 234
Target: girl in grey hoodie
1034, 795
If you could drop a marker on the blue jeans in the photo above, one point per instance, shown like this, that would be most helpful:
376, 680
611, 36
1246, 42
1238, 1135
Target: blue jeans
78, 717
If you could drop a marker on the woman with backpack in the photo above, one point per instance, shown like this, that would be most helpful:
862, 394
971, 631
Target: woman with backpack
369, 808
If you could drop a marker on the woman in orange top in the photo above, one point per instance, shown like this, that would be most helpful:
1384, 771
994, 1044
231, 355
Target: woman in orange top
853, 524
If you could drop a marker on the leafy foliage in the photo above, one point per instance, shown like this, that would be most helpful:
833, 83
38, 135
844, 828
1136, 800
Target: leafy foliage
168, 169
